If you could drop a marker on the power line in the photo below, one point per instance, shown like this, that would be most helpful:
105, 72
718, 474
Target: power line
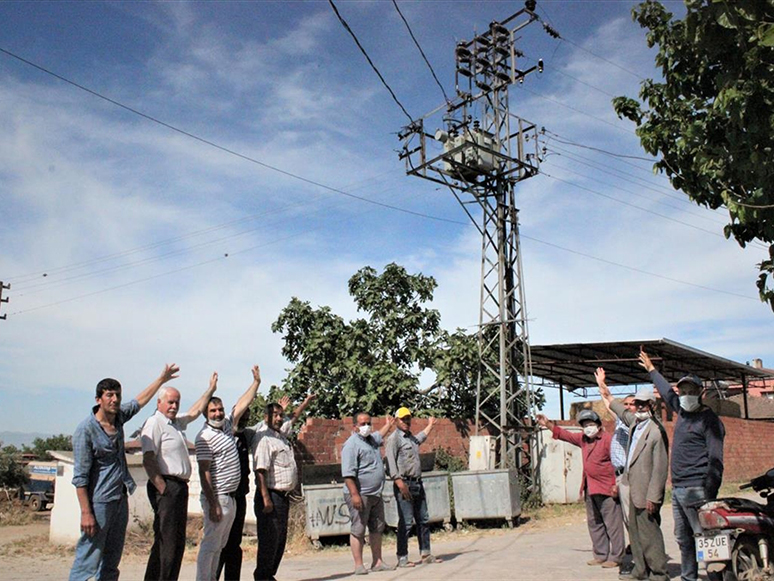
571, 108
416, 42
368, 58
49, 272
596, 193
610, 153
633, 193
640, 270
220, 147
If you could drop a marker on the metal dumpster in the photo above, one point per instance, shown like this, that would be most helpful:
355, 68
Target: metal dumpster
486, 494
326, 513
436, 486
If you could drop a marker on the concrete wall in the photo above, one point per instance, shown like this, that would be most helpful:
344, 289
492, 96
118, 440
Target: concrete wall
66, 514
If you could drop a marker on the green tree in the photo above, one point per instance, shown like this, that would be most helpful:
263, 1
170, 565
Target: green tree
711, 121
40, 446
375, 362
12, 473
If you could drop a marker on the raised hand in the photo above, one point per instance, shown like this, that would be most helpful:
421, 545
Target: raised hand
257, 373
214, 381
170, 372
645, 361
284, 402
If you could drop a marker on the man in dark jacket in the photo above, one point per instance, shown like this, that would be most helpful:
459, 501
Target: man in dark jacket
697, 459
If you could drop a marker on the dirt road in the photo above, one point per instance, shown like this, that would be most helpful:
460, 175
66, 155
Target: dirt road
554, 551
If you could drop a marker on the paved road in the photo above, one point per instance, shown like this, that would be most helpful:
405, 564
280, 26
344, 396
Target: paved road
552, 550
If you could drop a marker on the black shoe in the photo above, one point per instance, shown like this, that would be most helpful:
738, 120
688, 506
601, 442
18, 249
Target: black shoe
626, 568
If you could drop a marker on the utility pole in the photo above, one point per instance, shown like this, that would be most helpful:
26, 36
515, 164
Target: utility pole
480, 152
3, 300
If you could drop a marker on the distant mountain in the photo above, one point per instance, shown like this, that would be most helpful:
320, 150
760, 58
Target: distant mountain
19, 439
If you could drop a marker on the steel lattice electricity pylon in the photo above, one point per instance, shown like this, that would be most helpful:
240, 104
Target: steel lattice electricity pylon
481, 152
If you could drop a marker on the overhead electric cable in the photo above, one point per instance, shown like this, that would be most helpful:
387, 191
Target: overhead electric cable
571, 108
600, 57
596, 193
640, 270
222, 148
22, 279
597, 149
368, 58
416, 42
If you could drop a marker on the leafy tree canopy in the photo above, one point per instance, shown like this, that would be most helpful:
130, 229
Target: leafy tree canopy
12, 473
40, 446
711, 121
374, 363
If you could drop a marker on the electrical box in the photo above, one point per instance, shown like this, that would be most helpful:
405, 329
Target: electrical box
482, 453
469, 154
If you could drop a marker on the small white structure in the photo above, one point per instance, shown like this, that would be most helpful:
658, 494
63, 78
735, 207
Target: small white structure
65, 525
561, 468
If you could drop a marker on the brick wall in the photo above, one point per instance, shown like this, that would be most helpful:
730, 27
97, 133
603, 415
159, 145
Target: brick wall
748, 451
320, 440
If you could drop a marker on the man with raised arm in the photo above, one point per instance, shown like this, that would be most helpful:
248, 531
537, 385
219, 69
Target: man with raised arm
697, 459
219, 474
102, 480
603, 513
402, 454
363, 471
167, 463
247, 439
645, 475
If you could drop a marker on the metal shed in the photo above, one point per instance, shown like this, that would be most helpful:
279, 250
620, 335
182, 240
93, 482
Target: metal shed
571, 366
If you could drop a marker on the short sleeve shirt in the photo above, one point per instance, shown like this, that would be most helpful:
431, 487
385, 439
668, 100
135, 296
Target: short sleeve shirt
219, 448
274, 455
361, 459
166, 439
403, 454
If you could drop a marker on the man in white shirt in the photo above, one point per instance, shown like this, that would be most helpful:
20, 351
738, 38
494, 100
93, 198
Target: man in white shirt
166, 461
219, 474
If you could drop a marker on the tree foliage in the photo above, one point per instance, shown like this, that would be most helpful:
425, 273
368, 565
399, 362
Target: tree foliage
40, 446
12, 473
375, 363
711, 121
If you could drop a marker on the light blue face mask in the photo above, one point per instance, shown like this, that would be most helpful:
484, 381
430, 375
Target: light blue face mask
689, 403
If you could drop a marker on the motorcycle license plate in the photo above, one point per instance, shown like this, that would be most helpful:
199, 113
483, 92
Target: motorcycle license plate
715, 548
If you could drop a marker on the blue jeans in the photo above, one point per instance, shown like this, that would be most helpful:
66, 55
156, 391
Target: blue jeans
410, 512
100, 555
686, 524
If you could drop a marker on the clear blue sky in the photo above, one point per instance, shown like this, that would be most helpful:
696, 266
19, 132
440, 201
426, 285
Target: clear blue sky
131, 221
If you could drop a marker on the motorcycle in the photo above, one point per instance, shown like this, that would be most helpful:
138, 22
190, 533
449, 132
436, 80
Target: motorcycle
738, 534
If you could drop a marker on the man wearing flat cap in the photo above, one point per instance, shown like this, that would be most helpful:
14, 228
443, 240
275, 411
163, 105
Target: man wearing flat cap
697, 459
402, 453
598, 488
645, 474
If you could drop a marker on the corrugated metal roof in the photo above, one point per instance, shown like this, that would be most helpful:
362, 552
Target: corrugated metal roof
572, 365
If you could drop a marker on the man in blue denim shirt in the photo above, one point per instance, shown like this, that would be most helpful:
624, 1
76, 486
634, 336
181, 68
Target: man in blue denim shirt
102, 480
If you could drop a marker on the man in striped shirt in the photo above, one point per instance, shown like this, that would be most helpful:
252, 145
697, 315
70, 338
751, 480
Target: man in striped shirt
219, 473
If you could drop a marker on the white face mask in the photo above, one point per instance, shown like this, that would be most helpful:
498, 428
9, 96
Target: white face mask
364, 431
689, 403
217, 423
642, 416
591, 431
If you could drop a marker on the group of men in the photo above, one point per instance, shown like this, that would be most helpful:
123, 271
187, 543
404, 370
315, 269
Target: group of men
625, 473
103, 482
362, 468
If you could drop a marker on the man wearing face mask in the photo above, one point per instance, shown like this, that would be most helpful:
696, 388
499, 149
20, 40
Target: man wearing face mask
697, 459
363, 472
220, 475
603, 512
645, 475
